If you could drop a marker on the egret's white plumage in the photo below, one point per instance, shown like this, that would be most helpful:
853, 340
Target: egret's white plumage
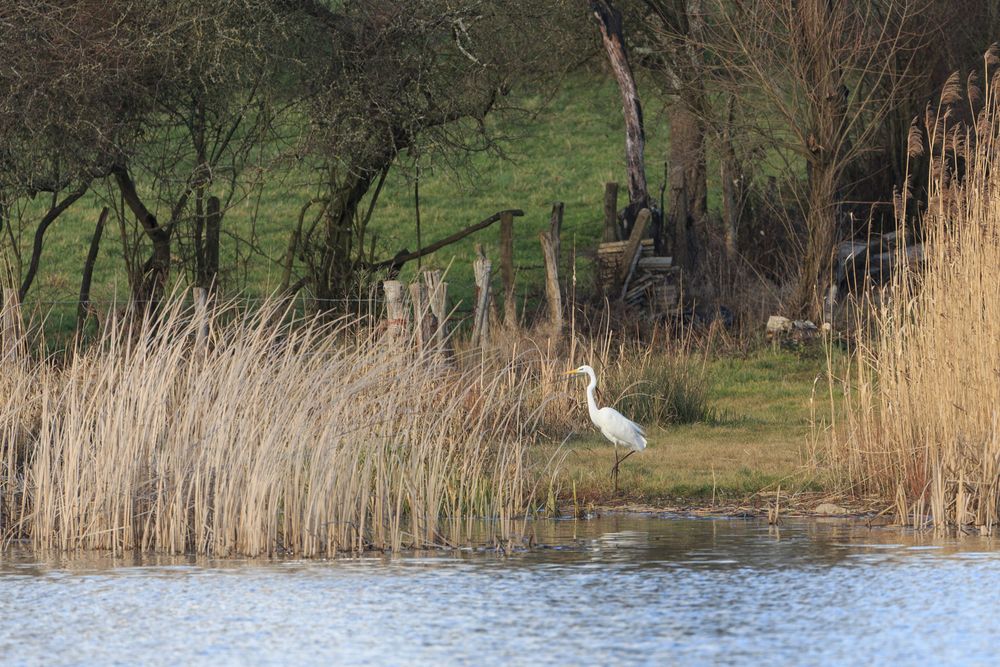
616, 427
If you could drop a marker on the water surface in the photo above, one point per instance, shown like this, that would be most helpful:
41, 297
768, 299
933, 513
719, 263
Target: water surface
615, 590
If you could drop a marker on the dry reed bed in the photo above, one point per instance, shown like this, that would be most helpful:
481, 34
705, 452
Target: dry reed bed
234, 432
303, 438
923, 431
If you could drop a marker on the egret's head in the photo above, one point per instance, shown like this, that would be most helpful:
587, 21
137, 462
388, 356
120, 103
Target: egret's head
582, 370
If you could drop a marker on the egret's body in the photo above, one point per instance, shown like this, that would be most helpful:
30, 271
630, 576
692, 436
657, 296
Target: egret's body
616, 427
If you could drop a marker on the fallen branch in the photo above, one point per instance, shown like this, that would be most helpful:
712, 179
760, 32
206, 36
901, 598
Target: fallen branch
404, 256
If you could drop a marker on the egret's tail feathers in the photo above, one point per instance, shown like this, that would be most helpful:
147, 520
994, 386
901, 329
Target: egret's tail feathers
640, 442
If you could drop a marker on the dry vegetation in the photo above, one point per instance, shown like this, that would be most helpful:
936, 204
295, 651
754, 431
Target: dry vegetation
924, 430
254, 433
306, 438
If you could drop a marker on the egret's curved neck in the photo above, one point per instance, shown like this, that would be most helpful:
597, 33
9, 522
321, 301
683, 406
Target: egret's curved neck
591, 401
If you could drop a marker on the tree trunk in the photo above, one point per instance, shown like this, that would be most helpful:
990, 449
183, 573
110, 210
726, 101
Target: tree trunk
213, 222
821, 224
688, 181
157, 268
36, 249
827, 142
732, 180
609, 20
83, 305
678, 27
334, 268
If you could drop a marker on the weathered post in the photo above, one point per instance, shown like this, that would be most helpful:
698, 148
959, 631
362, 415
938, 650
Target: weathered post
483, 268
423, 320
550, 253
397, 320
612, 232
507, 268
437, 295
200, 317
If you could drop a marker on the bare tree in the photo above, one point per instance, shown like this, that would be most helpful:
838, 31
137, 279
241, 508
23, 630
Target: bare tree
843, 66
672, 40
67, 103
387, 76
610, 23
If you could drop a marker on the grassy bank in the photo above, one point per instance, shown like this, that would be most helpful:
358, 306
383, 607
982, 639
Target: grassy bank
757, 437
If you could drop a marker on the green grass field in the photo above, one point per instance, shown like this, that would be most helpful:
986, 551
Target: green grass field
565, 151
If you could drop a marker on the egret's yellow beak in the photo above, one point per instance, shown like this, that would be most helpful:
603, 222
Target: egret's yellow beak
572, 372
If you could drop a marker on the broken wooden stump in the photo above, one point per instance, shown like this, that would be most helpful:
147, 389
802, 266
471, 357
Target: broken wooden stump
423, 325
437, 297
397, 318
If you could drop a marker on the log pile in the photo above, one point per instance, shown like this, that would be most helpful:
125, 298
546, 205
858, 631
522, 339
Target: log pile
652, 285
609, 260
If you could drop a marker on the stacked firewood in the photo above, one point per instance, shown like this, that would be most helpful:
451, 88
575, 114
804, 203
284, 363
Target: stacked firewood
652, 283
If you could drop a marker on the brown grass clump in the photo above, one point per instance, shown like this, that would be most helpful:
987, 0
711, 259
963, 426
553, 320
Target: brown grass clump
263, 438
923, 431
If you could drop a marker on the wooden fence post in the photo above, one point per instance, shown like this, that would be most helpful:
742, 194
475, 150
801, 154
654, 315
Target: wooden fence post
397, 320
507, 269
612, 232
483, 269
550, 253
423, 320
437, 291
200, 317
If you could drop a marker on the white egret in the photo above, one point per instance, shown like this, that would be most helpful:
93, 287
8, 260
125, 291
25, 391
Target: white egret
615, 426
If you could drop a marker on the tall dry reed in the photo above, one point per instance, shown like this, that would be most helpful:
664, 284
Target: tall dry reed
923, 426
262, 438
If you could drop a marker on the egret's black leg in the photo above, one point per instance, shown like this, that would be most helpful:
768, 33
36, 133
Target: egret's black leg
622, 459
614, 470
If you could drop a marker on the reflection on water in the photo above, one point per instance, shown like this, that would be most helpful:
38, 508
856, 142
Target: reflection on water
617, 590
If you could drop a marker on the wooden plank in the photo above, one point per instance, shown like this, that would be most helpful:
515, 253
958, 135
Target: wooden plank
630, 256
655, 263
